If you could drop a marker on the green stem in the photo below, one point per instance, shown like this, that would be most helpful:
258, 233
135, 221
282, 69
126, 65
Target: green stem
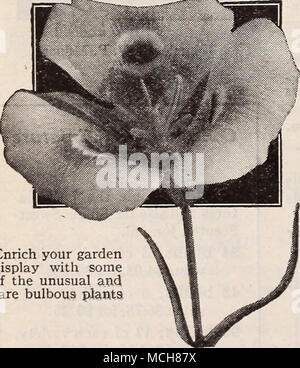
192, 270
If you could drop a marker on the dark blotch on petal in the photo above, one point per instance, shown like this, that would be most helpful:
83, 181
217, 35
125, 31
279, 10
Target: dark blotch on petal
140, 53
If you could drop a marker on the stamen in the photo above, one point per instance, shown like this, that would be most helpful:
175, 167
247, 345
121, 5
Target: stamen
161, 121
146, 93
176, 100
156, 118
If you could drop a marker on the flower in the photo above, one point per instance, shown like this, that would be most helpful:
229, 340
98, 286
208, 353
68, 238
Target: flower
173, 77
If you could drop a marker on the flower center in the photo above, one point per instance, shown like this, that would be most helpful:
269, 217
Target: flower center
160, 120
162, 129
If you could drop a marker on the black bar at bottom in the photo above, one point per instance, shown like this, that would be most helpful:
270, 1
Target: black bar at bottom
90, 358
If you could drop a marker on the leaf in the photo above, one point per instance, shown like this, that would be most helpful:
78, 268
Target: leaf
220, 330
180, 321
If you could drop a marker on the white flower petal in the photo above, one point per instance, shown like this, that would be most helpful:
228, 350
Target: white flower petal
38, 141
253, 88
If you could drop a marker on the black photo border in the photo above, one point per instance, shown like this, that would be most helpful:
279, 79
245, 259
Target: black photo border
38, 205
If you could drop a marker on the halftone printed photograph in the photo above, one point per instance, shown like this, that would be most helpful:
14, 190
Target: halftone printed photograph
150, 184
